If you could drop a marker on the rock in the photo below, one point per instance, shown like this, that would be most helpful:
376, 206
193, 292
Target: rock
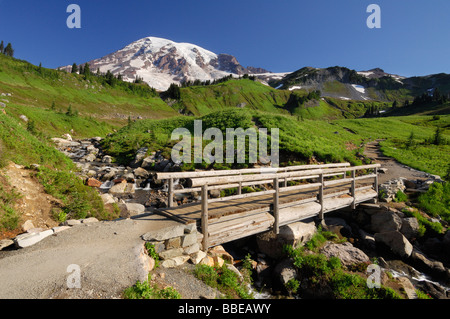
348, 254
107, 199
191, 228
27, 239
62, 143
218, 261
188, 240
107, 159
385, 221
397, 243
174, 262
161, 165
173, 243
23, 118
293, 234
89, 220
141, 173
164, 233
92, 182
118, 188
59, 229
221, 252
192, 249
235, 270
130, 188
207, 260
410, 228
283, 272
214, 193
71, 222
27, 225
6, 243
197, 257
148, 162
171, 253
337, 225
135, 208
407, 287
67, 137
409, 184
428, 265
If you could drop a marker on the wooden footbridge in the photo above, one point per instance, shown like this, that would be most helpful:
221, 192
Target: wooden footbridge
286, 195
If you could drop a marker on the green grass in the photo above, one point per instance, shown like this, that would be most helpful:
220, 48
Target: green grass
328, 275
9, 216
91, 97
225, 280
302, 140
436, 201
201, 100
144, 290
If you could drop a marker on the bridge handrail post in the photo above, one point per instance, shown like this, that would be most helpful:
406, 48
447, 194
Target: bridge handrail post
205, 242
170, 195
376, 183
321, 188
353, 189
276, 206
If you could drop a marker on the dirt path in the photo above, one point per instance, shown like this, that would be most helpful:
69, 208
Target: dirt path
393, 168
110, 256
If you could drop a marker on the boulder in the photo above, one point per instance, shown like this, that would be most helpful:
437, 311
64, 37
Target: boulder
107, 199
135, 208
197, 257
410, 228
283, 272
141, 173
71, 222
385, 221
348, 254
293, 234
118, 188
397, 243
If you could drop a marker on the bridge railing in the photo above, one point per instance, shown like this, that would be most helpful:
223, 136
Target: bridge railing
212, 180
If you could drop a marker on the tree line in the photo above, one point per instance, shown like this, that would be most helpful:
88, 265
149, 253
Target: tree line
8, 50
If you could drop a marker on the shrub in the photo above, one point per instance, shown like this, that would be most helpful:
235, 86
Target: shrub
143, 290
400, 197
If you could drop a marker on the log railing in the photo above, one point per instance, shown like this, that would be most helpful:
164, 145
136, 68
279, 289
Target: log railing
212, 180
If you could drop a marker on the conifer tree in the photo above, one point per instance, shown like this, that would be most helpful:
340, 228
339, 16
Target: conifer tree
9, 51
74, 68
2, 47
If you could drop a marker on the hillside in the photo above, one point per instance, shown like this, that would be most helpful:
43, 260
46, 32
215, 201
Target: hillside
37, 88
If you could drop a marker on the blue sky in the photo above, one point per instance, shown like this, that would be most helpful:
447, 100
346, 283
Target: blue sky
280, 36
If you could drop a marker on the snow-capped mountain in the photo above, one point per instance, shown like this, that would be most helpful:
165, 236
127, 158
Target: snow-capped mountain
160, 62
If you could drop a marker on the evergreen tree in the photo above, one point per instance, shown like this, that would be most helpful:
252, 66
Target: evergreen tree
74, 68
9, 51
2, 47
81, 69
87, 70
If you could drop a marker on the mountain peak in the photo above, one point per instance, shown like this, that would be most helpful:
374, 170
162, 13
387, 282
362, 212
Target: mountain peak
161, 62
